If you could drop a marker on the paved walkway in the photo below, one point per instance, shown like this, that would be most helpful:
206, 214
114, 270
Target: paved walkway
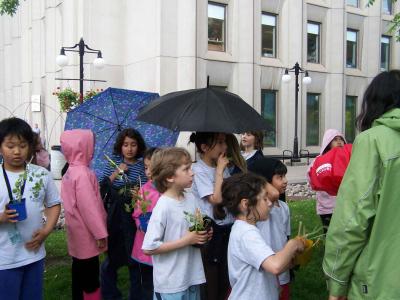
297, 174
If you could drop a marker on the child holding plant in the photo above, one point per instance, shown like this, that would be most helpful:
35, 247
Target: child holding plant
253, 265
178, 269
22, 249
146, 200
127, 171
209, 172
85, 217
276, 230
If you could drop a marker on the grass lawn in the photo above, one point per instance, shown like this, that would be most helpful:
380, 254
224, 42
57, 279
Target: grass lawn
309, 281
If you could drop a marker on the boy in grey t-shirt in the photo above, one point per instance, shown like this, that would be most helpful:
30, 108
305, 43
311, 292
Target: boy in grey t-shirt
177, 266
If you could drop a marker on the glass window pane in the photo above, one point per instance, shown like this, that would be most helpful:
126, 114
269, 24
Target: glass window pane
268, 111
313, 28
350, 118
313, 43
385, 53
387, 7
216, 11
352, 2
216, 27
351, 49
351, 35
268, 32
268, 20
312, 135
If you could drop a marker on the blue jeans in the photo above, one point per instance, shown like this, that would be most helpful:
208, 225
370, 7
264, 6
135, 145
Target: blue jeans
109, 279
192, 293
23, 283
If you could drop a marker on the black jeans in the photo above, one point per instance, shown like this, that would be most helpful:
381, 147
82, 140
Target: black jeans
326, 219
215, 264
85, 276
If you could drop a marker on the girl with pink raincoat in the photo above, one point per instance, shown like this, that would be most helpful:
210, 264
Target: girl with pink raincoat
85, 216
150, 193
325, 202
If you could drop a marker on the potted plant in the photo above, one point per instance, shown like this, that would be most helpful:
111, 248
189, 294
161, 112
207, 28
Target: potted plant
67, 98
142, 204
18, 203
310, 240
198, 222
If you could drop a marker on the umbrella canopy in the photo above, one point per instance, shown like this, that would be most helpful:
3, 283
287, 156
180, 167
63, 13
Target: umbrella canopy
111, 111
207, 110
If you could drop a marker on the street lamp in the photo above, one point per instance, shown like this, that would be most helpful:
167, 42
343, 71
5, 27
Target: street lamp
306, 80
62, 61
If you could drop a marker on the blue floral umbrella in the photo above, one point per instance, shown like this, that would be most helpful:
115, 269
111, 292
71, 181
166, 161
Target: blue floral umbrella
111, 111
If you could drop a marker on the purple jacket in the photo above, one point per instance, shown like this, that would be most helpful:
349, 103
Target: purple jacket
85, 217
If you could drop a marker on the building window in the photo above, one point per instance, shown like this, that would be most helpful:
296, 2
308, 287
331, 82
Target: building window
312, 123
268, 111
387, 7
350, 118
352, 3
385, 53
216, 27
351, 48
313, 42
268, 31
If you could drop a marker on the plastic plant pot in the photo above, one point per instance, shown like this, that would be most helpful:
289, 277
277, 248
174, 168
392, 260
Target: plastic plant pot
144, 221
20, 208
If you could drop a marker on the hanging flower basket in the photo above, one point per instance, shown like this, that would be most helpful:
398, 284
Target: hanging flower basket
69, 99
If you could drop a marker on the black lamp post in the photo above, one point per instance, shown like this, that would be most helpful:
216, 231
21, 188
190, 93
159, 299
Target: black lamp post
306, 80
62, 60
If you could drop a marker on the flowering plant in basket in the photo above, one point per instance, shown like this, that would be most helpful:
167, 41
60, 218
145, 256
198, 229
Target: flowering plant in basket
69, 99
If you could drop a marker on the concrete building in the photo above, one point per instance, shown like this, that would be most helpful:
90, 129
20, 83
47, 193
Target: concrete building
167, 45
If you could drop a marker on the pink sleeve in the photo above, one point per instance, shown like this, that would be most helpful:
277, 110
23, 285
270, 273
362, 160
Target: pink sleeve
90, 205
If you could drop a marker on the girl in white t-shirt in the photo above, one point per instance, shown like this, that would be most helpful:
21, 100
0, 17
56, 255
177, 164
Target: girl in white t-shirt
209, 172
246, 197
177, 266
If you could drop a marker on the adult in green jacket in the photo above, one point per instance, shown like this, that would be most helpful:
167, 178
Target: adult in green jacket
362, 254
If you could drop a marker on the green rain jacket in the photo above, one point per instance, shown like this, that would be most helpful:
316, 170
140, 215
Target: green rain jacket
362, 254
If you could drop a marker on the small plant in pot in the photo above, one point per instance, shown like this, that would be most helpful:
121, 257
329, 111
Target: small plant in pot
141, 204
198, 222
18, 203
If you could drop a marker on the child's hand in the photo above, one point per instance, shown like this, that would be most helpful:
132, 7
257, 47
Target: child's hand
101, 244
8, 215
298, 244
193, 237
123, 167
222, 162
38, 238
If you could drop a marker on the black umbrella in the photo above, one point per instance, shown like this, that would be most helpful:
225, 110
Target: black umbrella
206, 110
